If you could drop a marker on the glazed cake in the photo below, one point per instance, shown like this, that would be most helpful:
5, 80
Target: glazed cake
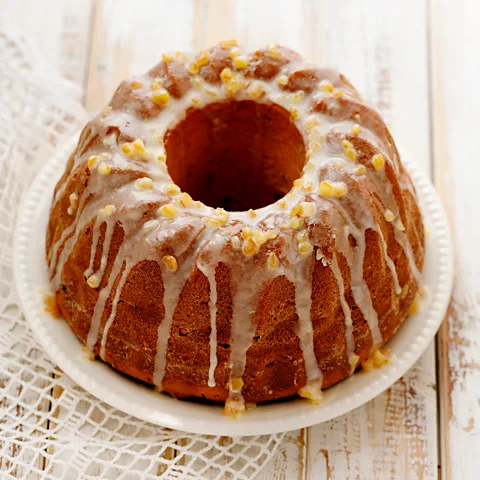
235, 226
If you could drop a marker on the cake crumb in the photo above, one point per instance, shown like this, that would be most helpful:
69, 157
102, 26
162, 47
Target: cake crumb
50, 305
421, 298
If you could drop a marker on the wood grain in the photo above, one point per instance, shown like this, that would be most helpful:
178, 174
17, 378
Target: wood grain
455, 101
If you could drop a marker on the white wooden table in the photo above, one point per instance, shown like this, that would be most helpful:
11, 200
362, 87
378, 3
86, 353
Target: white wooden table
418, 63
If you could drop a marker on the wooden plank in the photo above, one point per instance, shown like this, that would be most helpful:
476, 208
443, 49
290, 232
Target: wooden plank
393, 436
388, 438
62, 40
118, 51
388, 67
289, 463
455, 103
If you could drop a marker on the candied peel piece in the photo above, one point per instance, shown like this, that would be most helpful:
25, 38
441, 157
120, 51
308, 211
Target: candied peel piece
144, 183
104, 169
312, 392
240, 62
236, 384
378, 162
332, 189
160, 97
273, 261
168, 210
376, 359
171, 262
172, 189
93, 281
303, 210
250, 247
417, 303
305, 248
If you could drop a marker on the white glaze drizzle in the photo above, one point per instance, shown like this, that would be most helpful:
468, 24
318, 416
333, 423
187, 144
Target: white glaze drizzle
303, 304
349, 339
57, 262
102, 298
361, 293
93, 249
106, 248
173, 283
355, 259
402, 239
110, 225
209, 272
389, 201
113, 313
388, 260
249, 288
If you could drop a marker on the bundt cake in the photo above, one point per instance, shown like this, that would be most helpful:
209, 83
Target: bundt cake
235, 226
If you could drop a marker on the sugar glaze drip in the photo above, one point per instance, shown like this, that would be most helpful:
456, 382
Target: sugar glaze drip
208, 268
174, 282
349, 338
303, 303
209, 272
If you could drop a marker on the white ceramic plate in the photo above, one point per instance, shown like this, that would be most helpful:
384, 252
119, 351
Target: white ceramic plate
141, 401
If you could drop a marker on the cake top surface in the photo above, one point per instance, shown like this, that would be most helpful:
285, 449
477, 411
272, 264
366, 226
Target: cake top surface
136, 125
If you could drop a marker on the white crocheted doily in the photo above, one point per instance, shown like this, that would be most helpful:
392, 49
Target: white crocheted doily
49, 427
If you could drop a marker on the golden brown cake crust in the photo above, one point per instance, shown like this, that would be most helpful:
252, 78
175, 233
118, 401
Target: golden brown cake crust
275, 363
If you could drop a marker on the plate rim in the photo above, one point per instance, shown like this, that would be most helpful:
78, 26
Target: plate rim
42, 187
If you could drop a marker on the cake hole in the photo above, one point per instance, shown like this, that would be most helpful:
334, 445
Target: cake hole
236, 155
